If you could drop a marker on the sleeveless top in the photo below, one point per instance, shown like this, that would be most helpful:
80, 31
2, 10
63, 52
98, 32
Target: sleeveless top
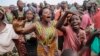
47, 40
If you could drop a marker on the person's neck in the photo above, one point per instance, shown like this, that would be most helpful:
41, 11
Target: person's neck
29, 20
20, 9
45, 23
76, 30
65, 9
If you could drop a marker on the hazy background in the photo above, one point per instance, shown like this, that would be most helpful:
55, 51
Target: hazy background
10, 2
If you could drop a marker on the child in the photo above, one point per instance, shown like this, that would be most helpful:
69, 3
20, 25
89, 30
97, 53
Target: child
69, 52
74, 36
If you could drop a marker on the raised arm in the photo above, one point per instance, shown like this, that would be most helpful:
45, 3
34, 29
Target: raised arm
62, 20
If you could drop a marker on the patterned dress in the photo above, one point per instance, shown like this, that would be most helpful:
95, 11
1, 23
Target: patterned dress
14, 52
47, 40
20, 43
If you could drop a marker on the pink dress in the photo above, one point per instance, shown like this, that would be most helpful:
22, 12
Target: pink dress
72, 40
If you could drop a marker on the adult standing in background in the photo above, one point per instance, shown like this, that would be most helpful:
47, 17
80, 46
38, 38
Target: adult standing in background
20, 11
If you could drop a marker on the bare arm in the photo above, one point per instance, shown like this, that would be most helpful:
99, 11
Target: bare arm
23, 30
89, 42
61, 21
29, 29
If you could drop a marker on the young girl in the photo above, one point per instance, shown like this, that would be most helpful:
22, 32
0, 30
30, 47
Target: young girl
31, 41
74, 36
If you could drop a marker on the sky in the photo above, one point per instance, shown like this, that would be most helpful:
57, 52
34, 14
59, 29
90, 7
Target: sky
13, 2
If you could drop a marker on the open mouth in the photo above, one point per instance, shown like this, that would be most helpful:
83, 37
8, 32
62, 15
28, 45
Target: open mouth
48, 17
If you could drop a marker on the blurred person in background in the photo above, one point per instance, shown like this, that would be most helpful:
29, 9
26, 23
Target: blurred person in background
9, 14
19, 12
31, 41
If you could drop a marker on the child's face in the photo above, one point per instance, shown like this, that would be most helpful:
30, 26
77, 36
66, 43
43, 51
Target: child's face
75, 22
29, 15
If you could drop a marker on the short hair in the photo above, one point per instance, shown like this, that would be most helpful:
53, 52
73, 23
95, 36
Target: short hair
41, 11
19, 1
68, 52
75, 15
25, 12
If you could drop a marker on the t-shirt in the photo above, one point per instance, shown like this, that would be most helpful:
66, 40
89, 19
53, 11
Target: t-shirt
97, 20
86, 21
6, 39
